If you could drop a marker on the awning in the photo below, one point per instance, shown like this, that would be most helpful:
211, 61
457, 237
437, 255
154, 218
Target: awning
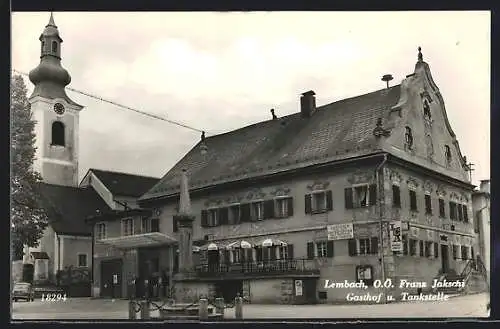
195, 249
272, 242
239, 244
210, 247
139, 240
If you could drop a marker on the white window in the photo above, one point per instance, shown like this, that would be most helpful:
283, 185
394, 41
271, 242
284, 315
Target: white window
283, 252
258, 210
213, 217
364, 247
82, 260
282, 207
321, 249
127, 226
318, 201
100, 231
361, 197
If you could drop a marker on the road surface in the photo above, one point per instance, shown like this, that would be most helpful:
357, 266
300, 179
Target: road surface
469, 306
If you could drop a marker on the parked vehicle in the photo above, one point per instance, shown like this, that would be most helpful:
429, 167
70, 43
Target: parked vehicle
24, 291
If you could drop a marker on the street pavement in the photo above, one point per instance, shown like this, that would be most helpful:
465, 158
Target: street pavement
469, 306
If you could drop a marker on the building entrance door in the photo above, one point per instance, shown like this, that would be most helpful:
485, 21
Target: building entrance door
213, 260
445, 264
111, 278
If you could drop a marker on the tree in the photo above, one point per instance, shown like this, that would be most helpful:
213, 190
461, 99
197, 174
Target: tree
28, 218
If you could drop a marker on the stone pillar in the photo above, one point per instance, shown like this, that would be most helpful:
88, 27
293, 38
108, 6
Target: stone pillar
185, 224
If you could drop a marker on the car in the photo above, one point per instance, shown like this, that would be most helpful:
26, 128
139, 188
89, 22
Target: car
24, 291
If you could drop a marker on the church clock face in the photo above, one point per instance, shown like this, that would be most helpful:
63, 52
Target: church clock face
59, 108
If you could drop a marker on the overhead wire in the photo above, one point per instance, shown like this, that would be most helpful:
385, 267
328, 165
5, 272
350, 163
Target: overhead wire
102, 99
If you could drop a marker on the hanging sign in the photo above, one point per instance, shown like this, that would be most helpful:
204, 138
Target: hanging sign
395, 236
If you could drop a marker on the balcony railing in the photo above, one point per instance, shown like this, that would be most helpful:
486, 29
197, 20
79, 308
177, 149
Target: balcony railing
268, 267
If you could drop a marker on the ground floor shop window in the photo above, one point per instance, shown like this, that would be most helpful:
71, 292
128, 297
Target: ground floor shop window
364, 273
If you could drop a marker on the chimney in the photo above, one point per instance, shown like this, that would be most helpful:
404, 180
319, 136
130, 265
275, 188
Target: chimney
307, 104
485, 186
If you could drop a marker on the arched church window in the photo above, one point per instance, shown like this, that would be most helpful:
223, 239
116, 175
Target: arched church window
54, 46
408, 138
447, 153
58, 133
427, 109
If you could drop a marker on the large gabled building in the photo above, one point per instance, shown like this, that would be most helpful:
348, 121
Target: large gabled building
368, 188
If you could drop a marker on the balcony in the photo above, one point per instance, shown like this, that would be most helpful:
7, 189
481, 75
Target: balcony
281, 267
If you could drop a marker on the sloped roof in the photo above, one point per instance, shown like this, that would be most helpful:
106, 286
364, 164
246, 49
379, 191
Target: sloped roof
339, 130
125, 184
68, 207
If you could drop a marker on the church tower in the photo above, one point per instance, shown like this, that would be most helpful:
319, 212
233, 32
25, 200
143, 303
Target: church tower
56, 115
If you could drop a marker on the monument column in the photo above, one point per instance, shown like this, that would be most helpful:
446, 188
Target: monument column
185, 220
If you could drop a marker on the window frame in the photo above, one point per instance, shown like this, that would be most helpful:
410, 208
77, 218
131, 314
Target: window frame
428, 204
394, 198
123, 225
58, 127
98, 232
315, 195
281, 206
212, 217
86, 259
412, 193
317, 249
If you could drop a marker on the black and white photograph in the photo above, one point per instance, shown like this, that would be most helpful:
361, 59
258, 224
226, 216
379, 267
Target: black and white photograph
212, 166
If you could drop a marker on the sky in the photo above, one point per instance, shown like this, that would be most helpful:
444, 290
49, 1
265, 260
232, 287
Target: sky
222, 71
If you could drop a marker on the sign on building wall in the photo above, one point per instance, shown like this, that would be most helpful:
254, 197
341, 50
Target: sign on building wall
298, 287
395, 236
340, 231
414, 231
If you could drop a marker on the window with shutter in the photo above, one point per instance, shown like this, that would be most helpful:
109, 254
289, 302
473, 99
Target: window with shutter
453, 208
321, 248
348, 198
290, 251
436, 250
396, 196
308, 203
257, 211
465, 213
290, 207
279, 207
352, 247
204, 219
310, 250
374, 245
234, 215
373, 194
319, 202
421, 248
224, 216
413, 200
361, 196
455, 251
272, 252
213, 217
329, 200
364, 246
464, 252
428, 204
155, 225
269, 211
460, 213
441, 209
329, 249
245, 212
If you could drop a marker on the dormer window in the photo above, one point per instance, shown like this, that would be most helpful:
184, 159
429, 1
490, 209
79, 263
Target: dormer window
427, 110
447, 153
54, 46
408, 138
